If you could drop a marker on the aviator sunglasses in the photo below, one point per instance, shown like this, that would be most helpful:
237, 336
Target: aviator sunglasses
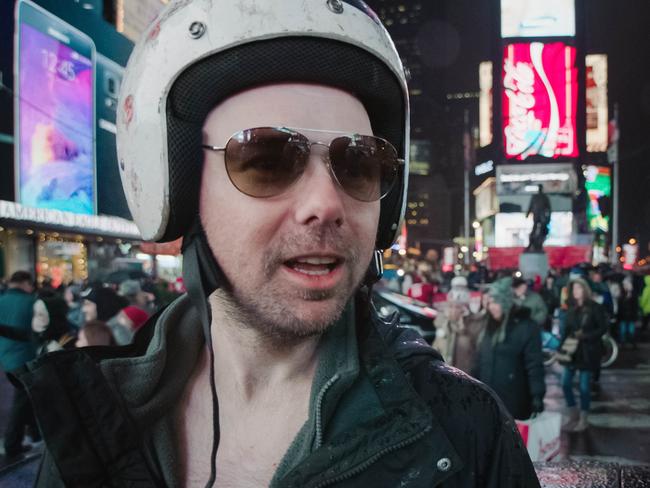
265, 161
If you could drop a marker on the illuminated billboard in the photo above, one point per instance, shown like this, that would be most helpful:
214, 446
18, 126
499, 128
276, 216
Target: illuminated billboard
596, 95
513, 229
598, 183
522, 179
55, 113
485, 103
539, 100
538, 18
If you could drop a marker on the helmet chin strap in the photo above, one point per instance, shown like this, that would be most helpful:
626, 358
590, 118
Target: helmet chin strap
202, 276
375, 270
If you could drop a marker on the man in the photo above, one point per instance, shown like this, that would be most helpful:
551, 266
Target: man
527, 298
16, 348
274, 370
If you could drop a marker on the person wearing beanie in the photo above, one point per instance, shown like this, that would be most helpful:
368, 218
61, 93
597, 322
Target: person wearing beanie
457, 329
586, 321
525, 297
125, 323
101, 303
135, 317
509, 356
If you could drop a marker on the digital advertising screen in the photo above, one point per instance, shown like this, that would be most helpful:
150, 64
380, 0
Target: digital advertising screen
598, 183
55, 113
485, 103
596, 97
513, 229
524, 179
538, 18
539, 100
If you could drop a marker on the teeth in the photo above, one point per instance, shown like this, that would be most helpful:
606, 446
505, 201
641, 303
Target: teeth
312, 272
316, 260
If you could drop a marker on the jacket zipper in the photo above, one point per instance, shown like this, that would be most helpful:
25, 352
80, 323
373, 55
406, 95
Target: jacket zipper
319, 409
368, 462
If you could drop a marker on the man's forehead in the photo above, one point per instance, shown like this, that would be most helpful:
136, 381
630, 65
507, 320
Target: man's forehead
288, 105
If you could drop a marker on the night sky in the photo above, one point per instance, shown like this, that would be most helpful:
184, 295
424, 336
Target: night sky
455, 35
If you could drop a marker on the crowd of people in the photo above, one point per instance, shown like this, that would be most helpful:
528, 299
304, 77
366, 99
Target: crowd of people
35, 320
490, 325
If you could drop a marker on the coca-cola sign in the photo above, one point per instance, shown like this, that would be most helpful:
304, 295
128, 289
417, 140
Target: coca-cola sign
540, 90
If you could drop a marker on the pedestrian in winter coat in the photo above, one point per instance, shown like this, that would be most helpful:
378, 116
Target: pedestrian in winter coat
510, 354
551, 296
50, 323
644, 301
628, 312
16, 310
527, 298
458, 330
586, 321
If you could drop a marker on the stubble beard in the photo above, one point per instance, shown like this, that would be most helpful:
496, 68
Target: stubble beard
270, 311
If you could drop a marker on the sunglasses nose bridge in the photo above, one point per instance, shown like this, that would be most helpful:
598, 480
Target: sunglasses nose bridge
324, 156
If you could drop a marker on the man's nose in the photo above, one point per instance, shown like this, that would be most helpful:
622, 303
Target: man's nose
319, 197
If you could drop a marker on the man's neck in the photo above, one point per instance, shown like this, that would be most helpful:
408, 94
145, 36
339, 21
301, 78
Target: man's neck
250, 364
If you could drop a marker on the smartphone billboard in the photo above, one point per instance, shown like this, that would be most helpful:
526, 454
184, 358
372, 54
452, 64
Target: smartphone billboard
539, 100
55, 112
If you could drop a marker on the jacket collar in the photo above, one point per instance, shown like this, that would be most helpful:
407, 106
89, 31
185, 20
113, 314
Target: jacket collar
379, 414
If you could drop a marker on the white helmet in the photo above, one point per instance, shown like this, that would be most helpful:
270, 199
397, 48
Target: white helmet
199, 52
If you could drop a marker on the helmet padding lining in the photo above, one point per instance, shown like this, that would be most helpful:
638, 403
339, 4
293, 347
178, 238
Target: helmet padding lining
209, 81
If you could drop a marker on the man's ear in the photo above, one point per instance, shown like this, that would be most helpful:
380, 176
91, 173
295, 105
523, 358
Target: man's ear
376, 268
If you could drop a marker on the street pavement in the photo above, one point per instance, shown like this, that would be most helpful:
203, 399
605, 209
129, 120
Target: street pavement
619, 429
619, 423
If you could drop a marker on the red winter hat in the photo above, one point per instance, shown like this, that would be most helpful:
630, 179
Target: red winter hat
137, 316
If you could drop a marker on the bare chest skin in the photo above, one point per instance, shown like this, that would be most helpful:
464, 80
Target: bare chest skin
255, 433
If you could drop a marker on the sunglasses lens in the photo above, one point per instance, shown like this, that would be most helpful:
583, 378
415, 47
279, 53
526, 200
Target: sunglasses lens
264, 162
365, 166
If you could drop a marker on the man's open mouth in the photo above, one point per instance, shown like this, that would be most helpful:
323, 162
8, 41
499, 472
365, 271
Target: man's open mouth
314, 265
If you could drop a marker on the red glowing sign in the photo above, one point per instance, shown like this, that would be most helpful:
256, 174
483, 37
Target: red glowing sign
539, 101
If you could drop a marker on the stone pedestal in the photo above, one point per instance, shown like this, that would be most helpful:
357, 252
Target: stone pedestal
532, 264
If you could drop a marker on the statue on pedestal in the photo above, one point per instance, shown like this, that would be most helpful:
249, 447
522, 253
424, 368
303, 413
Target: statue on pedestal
540, 208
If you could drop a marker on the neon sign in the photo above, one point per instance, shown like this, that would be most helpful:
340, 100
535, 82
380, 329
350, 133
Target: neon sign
539, 100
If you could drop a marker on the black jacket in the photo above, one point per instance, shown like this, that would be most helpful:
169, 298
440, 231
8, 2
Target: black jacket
592, 320
514, 368
436, 426
628, 307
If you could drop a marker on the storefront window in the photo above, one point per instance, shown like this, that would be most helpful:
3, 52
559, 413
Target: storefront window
61, 259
